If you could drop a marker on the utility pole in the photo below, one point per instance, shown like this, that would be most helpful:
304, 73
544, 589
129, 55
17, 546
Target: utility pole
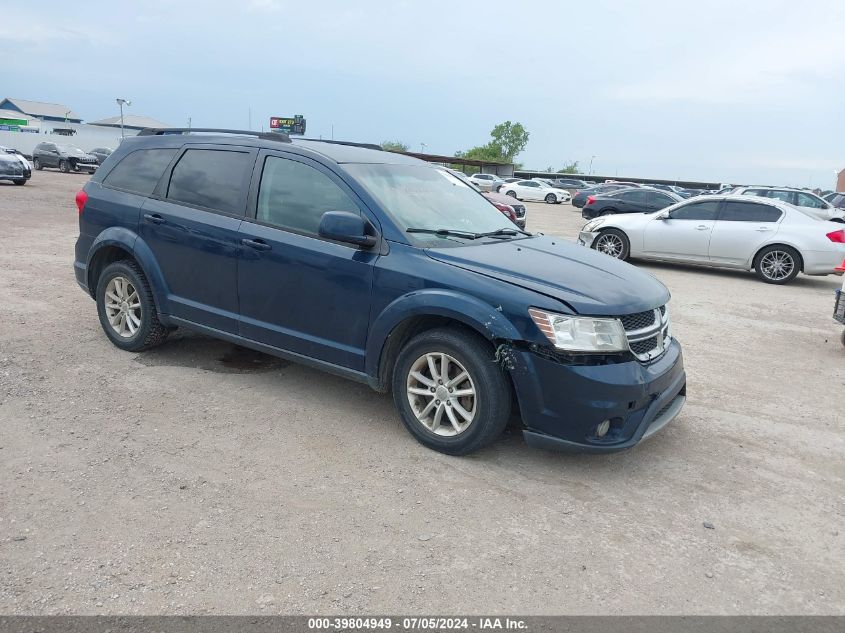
422, 148
121, 103
591, 165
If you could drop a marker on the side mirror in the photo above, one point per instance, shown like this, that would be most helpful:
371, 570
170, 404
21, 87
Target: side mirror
663, 216
343, 226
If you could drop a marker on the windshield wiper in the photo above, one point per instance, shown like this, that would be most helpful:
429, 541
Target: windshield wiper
446, 233
507, 231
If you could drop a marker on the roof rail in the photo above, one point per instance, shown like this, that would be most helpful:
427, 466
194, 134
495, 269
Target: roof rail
350, 143
159, 131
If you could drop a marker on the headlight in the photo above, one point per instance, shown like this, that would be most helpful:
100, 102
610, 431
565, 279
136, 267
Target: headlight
580, 334
592, 225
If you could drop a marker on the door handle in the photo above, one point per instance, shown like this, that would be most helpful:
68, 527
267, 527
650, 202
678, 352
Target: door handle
702, 227
763, 229
258, 245
155, 218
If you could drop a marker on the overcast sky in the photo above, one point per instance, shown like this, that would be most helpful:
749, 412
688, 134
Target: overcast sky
730, 91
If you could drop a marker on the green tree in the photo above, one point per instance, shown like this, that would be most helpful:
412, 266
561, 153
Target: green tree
394, 146
507, 140
569, 168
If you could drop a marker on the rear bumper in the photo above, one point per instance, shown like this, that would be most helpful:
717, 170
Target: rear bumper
562, 405
823, 262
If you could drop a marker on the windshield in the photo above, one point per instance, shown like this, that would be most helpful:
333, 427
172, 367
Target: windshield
423, 197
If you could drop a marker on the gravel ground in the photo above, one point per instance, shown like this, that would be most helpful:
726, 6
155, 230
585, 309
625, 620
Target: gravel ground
201, 478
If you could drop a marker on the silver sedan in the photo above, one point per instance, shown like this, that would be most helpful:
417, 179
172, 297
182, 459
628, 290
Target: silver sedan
771, 237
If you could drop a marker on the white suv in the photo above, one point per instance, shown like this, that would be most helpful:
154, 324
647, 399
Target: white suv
805, 200
487, 182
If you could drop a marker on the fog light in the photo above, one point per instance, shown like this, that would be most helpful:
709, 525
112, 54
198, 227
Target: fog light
603, 428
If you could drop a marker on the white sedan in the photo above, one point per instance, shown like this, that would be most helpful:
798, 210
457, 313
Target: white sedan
534, 190
771, 237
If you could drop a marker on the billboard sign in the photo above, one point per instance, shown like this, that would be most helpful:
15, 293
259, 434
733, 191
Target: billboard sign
287, 124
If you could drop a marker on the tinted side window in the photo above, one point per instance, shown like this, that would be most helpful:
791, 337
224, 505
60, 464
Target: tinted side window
634, 196
809, 201
295, 196
786, 196
139, 171
754, 192
210, 178
698, 211
749, 212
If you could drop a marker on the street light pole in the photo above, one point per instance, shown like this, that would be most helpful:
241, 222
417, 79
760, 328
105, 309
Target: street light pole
121, 103
591, 165
422, 148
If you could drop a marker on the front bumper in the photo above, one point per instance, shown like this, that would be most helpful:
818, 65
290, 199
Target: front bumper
563, 404
586, 238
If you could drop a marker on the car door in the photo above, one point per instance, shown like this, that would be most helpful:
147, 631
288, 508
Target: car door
298, 291
191, 226
529, 190
741, 229
49, 155
634, 201
684, 234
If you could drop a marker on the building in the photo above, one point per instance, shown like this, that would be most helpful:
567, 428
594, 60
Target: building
840, 181
53, 112
130, 122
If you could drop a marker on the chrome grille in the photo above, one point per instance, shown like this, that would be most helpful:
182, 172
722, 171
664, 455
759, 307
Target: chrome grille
647, 332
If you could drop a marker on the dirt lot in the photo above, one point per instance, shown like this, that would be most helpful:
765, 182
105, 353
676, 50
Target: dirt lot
199, 479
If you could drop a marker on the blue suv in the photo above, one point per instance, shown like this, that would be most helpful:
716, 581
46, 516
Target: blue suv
383, 269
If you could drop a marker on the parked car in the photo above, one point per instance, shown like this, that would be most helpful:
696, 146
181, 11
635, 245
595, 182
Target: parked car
573, 184
534, 190
487, 182
836, 199
101, 153
13, 166
640, 200
385, 272
507, 181
767, 235
499, 201
580, 198
810, 202
65, 158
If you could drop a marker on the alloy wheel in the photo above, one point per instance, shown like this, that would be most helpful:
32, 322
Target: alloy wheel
442, 394
123, 307
610, 244
777, 265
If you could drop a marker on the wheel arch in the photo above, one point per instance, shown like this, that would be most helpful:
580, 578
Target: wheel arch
778, 243
118, 243
417, 312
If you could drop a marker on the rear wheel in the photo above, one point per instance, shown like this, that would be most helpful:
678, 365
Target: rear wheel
126, 308
511, 193
551, 198
64, 166
777, 264
36, 164
613, 242
449, 392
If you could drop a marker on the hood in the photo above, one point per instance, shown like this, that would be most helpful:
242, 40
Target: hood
500, 198
589, 282
75, 151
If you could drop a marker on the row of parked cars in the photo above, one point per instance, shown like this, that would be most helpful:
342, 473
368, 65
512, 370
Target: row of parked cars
15, 167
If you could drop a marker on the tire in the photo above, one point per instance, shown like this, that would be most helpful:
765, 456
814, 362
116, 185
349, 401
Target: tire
36, 164
149, 332
842, 338
551, 199
64, 166
612, 242
511, 193
777, 264
20, 182
489, 406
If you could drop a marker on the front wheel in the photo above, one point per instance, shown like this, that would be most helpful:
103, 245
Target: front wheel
551, 199
64, 166
777, 264
36, 164
22, 181
126, 308
613, 242
449, 392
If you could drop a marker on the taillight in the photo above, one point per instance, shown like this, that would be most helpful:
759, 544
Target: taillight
837, 236
591, 199
81, 199
507, 210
